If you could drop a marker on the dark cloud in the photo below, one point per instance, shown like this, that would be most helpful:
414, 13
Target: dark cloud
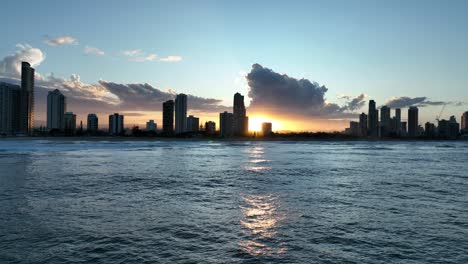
404, 102
279, 93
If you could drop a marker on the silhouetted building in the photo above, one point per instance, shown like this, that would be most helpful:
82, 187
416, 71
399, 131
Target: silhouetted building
373, 120
448, 129
210, 127
429, 130
464, 123
404, 129
26, 106
151, 126
193, 123
9, 108
226, 123
363, 125
397, 128
413, 122
92, 123
181, 113
241, 121
116, 124
353, 129
385, 121
56, 107
168, 117
69, 123
267, 129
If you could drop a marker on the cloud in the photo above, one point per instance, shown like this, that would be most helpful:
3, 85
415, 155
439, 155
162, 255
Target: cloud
356, 103
10, 65
404, 102
138, 55
93, 51
171, 58
132, 53
280, 94
59, 41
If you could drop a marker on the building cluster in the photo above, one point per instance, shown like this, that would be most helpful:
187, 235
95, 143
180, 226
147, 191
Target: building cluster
17, 104
17, 115
369, 125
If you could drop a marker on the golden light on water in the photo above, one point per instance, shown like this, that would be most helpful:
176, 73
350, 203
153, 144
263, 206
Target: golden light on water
261, 221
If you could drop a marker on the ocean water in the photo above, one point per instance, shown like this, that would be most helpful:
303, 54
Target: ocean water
65, 201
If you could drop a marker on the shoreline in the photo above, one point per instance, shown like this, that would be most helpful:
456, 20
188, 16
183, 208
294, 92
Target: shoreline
232, 139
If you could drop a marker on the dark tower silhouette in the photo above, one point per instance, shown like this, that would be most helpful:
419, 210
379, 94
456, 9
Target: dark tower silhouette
241, 121
168, 117
373, 120
413, 121
26, 115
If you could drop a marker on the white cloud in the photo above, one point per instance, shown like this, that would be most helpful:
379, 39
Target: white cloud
171, 59
140, 56
93, 51
59, 41
132, 53
10, 65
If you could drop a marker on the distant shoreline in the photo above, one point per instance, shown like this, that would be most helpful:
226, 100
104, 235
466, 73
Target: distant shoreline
232, 139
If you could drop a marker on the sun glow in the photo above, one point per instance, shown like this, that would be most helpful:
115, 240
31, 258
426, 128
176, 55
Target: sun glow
255, 123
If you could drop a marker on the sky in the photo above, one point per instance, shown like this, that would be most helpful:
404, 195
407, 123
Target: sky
305, 65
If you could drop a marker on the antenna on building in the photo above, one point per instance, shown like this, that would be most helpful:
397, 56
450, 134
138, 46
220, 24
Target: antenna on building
441, 112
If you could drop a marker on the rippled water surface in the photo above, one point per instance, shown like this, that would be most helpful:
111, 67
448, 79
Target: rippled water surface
233, 202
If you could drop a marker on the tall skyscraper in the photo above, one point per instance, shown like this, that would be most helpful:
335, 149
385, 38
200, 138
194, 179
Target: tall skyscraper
363, 125
193, 123
26, 115
93, 123
398, 121
413, 121
464, 122
69, 120
181, 113
56, 107
241, 121
373, 120
116, 124
385, 121
226, 124
168, 117
9, 108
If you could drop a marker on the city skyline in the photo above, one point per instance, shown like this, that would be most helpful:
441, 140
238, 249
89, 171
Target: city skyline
328, 83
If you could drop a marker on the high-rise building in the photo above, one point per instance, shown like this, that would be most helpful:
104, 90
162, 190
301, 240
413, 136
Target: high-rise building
193, 123
413, 122
464, 123
151, 126
56, 107
362, 125
226, 124
373, 120
210, 127
353, 128
69, 120
397, 122
93, 123
181, 113
26, 107
9, 108
116, 124
385, 121
168, 117
241, 121
404, 129
267, 129
429, 130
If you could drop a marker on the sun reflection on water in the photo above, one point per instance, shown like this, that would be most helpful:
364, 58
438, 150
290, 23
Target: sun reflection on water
256, 159
260, 225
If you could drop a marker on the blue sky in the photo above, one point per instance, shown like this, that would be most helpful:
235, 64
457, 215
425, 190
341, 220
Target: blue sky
384, 49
